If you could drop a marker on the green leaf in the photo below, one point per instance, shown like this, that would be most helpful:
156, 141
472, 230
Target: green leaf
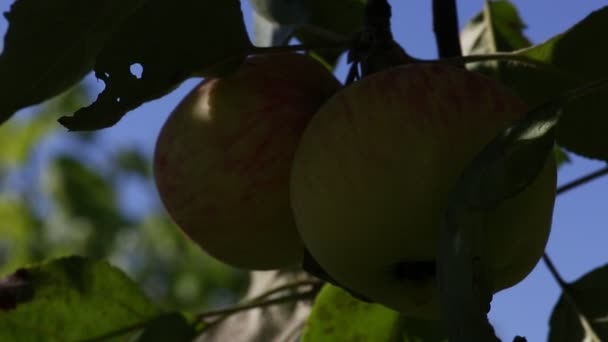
561, 157
70, 299
19, 138
332, 22
132, 160
337, 316
17, 225
570, 59
168, 327
203, 38
84, 194
502, 30
504, 168
50, 45
587, 321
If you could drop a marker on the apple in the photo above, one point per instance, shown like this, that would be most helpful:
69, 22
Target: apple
372, 175
222, 160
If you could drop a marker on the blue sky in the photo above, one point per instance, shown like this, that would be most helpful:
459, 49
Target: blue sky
580, 228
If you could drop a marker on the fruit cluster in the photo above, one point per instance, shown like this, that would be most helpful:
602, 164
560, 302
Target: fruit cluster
278, 156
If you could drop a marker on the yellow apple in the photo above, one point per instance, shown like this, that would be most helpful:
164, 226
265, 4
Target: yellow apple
373, 171
222, 160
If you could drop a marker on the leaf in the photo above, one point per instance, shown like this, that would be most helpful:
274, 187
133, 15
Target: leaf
586, 322
17, 225
504, 168
202, 38
571, 59
168, 327
18, 138
285, 12
332, 23
502, 32
132, 160
72, 299
337, 316
50, 45
85, 194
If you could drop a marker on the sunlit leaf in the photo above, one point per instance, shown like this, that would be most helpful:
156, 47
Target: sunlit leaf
337, 316
72, 299
502, 32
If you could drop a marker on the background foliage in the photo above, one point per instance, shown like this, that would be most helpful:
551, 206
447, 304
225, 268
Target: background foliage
78, 194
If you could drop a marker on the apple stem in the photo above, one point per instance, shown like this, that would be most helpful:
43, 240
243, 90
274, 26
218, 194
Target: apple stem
374, 49
445, 25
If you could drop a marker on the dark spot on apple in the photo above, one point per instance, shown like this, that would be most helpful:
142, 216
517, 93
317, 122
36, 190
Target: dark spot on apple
415, 271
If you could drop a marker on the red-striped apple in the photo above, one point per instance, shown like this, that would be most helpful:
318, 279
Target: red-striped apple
223, 158
373, 171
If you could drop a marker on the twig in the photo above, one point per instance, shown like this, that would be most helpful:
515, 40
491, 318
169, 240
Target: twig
289, 286
553, 270
508, 57
445, 25
583, 180
255, 305
567, 293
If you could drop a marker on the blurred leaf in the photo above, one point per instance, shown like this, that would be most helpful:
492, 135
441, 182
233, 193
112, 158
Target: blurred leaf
587, 321
50, 45
331, 23
72, 299
337, 316
174, 270
83, 193
133, 161
285, 12
18, 138
572, 58
502, 31
168, 327
204, 38
17, 225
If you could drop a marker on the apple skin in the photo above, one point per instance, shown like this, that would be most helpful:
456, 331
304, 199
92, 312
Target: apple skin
222, 160
373, 171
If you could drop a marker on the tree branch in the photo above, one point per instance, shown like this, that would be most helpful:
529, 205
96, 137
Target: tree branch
583, 180
445, 25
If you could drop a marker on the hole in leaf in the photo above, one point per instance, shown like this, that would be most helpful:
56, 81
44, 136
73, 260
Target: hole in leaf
137, 70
